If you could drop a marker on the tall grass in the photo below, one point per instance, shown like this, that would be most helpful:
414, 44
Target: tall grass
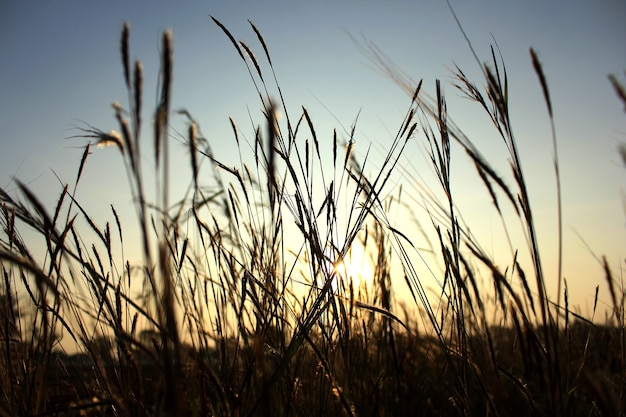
239, 307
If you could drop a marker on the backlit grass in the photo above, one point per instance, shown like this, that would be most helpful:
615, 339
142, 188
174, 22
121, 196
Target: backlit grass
267, 289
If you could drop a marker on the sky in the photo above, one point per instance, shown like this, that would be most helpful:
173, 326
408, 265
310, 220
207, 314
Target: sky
60, 69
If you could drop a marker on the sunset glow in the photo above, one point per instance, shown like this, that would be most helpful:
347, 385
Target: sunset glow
355, 269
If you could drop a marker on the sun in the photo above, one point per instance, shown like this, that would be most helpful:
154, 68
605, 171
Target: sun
355, 269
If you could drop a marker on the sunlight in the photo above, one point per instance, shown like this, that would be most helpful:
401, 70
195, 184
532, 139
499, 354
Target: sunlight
355, 269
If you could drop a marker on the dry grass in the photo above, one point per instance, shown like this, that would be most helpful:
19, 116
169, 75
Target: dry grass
237, 307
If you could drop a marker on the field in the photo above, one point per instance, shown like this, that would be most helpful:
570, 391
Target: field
244, 300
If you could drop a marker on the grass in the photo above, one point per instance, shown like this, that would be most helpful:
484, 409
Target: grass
238, 306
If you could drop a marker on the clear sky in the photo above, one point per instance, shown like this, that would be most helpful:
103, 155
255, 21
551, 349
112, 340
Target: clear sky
60, 67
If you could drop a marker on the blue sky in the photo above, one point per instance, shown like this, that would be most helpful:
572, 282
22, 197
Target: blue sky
61, 68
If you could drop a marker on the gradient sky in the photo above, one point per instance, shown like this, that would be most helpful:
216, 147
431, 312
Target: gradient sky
60, 67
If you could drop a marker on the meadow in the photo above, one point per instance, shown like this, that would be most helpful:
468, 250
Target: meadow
244, 301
